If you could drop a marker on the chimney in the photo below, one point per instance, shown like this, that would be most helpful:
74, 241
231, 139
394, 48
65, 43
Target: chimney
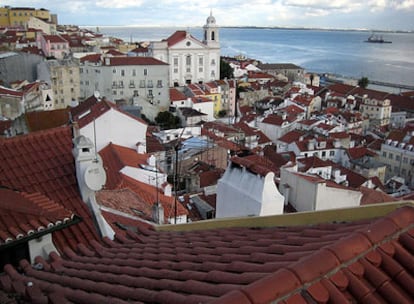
286, 194
91, 177
158, 213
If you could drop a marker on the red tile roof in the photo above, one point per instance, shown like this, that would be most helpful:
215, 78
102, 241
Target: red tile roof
254, 163
91, 58
54, 39
42, 162
133, 60
42, 120
209, 178
360, 152
148, 194
177, 37
117, 157
371, 196
358, 261
23, 214
339, 135
176, 95
274, 119
292, 136
89, 110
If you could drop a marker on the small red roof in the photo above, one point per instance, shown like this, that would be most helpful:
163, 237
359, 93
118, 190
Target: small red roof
292, 136
54, 39
371, 196
177, 95
91, 58
178, 36
133, 60
360, 152
89, 110
42, 120
339, 135
274, 119
254, 163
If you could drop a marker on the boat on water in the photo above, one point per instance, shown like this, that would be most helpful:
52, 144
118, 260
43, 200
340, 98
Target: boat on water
377, 39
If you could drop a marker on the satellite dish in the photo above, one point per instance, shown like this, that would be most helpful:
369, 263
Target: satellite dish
95, 177
96, 94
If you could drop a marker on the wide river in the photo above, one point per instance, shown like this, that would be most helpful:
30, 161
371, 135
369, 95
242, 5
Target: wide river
322, 51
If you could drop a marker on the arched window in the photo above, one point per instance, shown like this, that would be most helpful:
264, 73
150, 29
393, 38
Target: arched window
213, 35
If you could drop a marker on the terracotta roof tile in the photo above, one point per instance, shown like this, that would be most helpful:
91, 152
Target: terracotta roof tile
43, 162
42, 120
359, 261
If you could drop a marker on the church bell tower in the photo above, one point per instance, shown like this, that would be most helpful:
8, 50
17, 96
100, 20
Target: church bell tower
211, 32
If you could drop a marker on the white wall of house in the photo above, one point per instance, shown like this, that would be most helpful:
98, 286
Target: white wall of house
144, 85
116, 127
145, 176
312, 195
333, 198
206, 107
243, 193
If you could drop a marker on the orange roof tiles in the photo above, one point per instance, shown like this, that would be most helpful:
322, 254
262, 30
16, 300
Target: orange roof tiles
92, 108
42, 120
254, 163
292, 136
360, 261
177, 37
371, 196
134, 60
54, 39
359, 152
43, 162
176, 95
23, 214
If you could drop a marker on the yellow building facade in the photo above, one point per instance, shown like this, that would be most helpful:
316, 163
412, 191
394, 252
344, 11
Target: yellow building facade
19, 16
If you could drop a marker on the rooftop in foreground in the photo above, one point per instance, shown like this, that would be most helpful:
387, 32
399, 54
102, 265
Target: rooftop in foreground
357, 255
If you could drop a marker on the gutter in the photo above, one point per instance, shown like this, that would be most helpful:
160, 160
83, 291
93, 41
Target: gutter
75, 220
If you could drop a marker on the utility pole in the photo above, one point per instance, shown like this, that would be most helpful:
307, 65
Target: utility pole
175, 182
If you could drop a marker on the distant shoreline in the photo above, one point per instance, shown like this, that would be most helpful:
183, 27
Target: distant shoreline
259, 28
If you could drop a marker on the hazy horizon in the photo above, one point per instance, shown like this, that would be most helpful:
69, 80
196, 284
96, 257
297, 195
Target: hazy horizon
379, 15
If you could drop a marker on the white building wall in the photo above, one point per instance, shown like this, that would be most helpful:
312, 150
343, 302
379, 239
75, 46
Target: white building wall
145, 176
306, 195
115, 127
333, 198
242, 193
136, 84
206, 108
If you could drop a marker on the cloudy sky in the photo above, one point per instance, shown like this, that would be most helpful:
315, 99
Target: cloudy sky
360, 14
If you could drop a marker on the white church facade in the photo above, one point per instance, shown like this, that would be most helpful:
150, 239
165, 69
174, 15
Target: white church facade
190, 60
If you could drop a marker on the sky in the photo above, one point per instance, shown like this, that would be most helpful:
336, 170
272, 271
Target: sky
339, 14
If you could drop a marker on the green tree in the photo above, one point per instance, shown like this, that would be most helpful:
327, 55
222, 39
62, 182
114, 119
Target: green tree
363, 82
167, 120
226, 71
